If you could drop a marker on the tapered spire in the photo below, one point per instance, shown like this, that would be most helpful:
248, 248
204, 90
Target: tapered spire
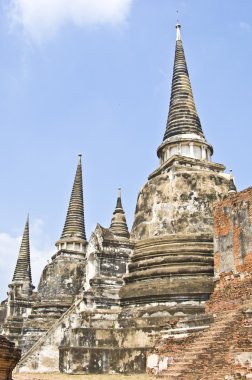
74, 225
23, 267
118, 223
183, 117
183, 133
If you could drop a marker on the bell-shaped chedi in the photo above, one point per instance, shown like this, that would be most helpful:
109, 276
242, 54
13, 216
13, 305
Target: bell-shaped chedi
173, 223
118, 223
178, 197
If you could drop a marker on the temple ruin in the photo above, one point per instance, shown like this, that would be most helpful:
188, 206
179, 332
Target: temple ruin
102, 304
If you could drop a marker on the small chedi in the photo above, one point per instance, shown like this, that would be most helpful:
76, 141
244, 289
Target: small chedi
103, 304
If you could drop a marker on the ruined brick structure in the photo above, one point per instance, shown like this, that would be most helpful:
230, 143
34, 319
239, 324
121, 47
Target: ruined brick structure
233, 233
9, 356
224, 348
102, 304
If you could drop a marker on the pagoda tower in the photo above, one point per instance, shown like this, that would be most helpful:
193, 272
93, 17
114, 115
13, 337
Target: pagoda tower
172, 263
21, 288
107, 259
73, 237
23, 266
62, 279
20, 296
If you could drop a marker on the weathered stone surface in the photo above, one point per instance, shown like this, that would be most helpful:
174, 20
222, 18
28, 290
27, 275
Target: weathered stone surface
91, 323
61, 281
30, 314
102, 360
179, 200
3, 311
107, 261
43, 356
173, 233
63, 277
224, 350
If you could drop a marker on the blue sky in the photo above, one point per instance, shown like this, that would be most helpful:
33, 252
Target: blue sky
94, 77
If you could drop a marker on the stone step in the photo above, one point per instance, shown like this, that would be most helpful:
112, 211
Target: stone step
176, 333
13, 324
202, 375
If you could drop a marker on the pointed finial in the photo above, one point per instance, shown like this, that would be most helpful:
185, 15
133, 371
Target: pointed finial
178, 29
79, 155
119, 198
118, 223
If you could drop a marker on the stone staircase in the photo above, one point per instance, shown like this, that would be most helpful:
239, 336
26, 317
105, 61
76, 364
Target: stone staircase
209, 357
31, 359
25, 331
44, 315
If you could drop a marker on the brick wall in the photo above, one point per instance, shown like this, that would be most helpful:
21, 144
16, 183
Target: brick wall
9, 356
233, 233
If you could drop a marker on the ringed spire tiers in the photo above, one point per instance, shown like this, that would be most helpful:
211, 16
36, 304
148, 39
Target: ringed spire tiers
73, 236
183, 134
23, 266
118, 223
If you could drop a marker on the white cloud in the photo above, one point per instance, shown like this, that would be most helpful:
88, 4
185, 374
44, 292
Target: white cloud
42, 19
41, 251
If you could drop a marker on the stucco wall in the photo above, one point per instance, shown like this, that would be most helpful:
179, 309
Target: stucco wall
178, 202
